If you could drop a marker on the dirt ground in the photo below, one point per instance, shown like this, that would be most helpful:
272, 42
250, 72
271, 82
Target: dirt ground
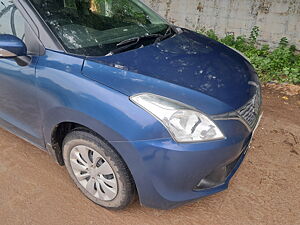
265, 190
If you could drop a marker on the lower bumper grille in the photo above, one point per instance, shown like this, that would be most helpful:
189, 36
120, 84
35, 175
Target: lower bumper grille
217, 177
220, 175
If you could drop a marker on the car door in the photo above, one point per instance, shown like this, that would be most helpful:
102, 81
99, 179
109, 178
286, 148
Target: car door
19, 111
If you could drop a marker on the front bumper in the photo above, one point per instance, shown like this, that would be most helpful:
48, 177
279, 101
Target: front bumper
167, 173
221, 175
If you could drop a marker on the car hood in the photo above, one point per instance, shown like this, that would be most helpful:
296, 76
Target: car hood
188, 60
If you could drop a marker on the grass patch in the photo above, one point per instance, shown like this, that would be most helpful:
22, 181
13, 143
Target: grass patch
281, 64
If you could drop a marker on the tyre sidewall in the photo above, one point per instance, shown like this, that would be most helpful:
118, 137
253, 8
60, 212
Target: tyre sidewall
124, 182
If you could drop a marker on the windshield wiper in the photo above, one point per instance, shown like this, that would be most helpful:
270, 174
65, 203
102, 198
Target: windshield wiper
137, 39
124, 46
131, 42
169, 32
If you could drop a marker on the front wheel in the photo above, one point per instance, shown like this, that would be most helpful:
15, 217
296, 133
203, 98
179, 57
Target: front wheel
97, 170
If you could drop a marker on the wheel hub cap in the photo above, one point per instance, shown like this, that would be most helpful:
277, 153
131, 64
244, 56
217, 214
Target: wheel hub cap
94, 173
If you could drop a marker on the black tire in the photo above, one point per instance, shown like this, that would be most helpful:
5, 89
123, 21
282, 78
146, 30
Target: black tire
126, 188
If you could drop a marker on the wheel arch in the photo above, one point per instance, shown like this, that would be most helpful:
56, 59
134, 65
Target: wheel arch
60, 121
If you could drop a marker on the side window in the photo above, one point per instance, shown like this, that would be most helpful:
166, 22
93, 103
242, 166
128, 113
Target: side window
11, 20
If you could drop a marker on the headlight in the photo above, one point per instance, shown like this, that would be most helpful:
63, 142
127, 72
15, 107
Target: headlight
184, 123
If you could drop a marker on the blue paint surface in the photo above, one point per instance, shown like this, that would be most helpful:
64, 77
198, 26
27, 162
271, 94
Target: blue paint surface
94, 92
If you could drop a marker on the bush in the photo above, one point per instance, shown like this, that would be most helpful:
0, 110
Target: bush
281, 64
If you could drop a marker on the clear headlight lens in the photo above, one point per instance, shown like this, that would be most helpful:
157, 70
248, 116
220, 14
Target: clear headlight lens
184, 123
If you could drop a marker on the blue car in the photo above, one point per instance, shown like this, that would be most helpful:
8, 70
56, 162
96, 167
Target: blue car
129, 103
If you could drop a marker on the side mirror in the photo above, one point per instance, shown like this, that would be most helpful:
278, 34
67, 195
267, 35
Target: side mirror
11, 46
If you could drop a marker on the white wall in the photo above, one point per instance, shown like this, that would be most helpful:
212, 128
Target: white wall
275, 18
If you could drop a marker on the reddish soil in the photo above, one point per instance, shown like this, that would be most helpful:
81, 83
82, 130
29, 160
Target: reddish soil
265, 190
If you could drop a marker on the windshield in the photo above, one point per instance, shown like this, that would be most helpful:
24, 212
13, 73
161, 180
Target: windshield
95, 27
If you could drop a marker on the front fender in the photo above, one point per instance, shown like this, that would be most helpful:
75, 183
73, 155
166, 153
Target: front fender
67, 96
59, 115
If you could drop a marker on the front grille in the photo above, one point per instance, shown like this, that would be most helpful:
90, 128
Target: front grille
250, 111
